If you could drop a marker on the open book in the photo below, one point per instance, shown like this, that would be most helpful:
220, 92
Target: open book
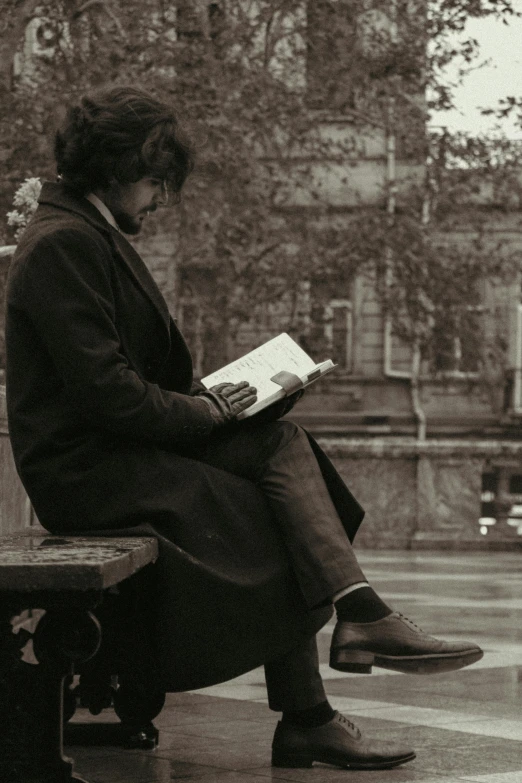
277, 369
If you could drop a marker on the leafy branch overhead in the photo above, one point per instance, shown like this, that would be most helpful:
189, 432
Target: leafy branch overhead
285, 98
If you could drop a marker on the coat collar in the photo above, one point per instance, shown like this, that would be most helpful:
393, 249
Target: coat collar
58, 195
101, 207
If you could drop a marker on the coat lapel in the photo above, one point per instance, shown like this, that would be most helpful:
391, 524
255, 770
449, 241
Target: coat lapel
56, 194
140, 273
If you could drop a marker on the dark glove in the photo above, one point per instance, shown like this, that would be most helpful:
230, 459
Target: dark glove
226, 400
291, 401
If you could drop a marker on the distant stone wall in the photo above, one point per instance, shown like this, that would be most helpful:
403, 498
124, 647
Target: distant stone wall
424, 494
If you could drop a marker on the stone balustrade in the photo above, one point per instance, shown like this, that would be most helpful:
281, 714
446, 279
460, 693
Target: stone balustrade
427, 494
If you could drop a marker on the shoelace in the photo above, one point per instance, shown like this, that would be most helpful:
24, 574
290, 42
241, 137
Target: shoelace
352, 726
409, 622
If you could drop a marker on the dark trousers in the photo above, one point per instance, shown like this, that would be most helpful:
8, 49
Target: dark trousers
293, 680
278, 457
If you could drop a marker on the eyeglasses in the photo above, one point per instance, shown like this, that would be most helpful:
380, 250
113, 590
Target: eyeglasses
165, 191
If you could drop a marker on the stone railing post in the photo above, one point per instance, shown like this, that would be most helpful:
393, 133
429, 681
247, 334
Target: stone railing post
15, 508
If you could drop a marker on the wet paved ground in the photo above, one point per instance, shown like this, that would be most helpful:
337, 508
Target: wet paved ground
464, 726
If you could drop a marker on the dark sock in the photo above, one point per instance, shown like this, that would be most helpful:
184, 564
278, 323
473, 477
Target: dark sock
311, 717
361, 606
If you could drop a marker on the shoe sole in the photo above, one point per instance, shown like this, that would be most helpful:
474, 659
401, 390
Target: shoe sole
361, 662
300, 760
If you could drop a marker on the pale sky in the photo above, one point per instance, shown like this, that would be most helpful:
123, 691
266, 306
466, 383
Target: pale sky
502, 45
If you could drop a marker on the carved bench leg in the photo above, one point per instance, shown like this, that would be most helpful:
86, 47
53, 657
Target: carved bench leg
130, 660
137, 711
31, 696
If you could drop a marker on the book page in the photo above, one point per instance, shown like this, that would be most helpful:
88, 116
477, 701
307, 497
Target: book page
258, 366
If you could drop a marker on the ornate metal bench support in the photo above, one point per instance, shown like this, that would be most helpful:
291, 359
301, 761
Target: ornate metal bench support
31, 695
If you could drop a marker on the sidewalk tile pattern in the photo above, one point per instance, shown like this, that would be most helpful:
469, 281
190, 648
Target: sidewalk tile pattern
466, 726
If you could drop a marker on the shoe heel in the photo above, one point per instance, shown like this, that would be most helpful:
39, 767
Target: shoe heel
352, 661
293, 760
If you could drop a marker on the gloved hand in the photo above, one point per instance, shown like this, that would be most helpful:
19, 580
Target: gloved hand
226, 400
291, 401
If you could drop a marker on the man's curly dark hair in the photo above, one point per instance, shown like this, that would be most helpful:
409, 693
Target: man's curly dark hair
121, 134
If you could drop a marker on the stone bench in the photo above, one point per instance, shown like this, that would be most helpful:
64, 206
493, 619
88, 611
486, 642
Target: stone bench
51, 588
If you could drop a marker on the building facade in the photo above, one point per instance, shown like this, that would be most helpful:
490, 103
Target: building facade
430, 443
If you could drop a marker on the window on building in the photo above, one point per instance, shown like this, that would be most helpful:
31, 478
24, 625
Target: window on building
331, 36
216, 19
339, 331
331, 334
515, 359
188, 22
191, 22
459, 352
348, 40
397, 353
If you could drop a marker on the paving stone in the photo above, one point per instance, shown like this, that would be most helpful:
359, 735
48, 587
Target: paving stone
466, 726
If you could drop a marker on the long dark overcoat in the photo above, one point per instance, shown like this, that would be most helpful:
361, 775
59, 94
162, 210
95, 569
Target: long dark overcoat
99, 383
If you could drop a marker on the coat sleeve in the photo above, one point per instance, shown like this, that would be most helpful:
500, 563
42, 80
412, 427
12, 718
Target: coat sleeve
197, 387
67, 294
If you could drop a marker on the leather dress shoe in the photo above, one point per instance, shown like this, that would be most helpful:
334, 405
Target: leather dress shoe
337, 742
398, 644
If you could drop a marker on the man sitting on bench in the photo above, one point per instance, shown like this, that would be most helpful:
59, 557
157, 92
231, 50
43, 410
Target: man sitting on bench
111, 434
